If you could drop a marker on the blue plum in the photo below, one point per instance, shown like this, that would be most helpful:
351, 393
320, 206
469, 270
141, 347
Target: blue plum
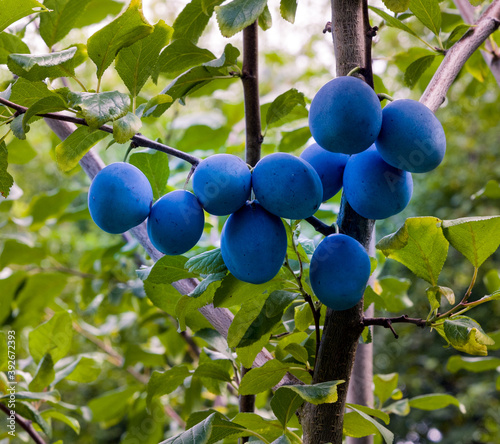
375, 189
287, 186
176, 222
253, 244
222, 184
339, 271
329, 166
345, 116
411, 138
120, 198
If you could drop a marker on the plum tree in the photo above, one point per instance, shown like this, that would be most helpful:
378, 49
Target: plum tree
287, 186
176, 222
339, 271
253, 244
375, 189
345, 116
120, 198
411, 138
222, 184
329, 166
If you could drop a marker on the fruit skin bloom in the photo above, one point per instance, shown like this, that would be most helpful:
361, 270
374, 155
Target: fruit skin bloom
120, 198
411, 138
253, 244
345, 116
176, 222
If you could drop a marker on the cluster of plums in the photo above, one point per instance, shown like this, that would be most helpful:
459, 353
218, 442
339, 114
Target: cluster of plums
369, 152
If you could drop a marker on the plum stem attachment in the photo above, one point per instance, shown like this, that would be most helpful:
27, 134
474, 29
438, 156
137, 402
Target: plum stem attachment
383, 96
353, 71
188, 178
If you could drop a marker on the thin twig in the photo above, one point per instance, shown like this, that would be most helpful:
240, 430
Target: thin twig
321, 227
387, 322
25, 424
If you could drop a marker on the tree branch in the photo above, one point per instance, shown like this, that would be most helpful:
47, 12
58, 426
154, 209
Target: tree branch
387, 322
138, 139
458, 54
25, 424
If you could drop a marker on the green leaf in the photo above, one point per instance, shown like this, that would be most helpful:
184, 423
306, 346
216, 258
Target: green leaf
180, 56
59, 416
40, 67
283, 439
238, 14
247, 355
372, 412
82, 369
268, 429
257, 317
96, 11
263, 378
48, 104
57, 23
284, 105
53, 336
435, 401
293, 140
358, 424
161, 384
434, 295
476, 238
27, 93
455, 35
44, 375
218, 370
465, 334
28, 411
126, 127
99, 108
419, 245
428, 12
391, 294
288, 9
416, 69
137, 62
298, 352
112, 404
13, 10
9, 44
491, 190
70, 151
476, 365
9, 286
400, 408
385, 385
154, 165
125, 30
193, 19
207, 262
393, 21
397, 6
17, 252
52, 396
21, 152
6, 180
303, 317
265, 19
492, 280
160, 99
17, 127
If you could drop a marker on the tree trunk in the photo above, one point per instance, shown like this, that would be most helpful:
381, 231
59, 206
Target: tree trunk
352, 36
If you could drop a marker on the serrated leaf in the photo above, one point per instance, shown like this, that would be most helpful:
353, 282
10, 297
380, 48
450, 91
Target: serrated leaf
283, 105
193, 19
44, 375
48, 104
247, 355
27, 93
288, 9
397, 6
57, 23
238, 14
428, 12
53, 336
59, 416
476, 365
262, 378
386, 434
9, 44
465, 334
455, 35
99, 108
385, 386
476, 238
125, 30
126, 127
40, 67
13, 10
136, 63
393, 21
70, 151
6, 180
419, 245
154, 165
416, 69
161, 384
265, 19
17, 127
207, 262
435, 401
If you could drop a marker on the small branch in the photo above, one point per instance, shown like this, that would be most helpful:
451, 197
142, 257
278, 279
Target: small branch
25, 424
138, 139
247, 402
321, 227
387, 322
459, 53
250, 79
